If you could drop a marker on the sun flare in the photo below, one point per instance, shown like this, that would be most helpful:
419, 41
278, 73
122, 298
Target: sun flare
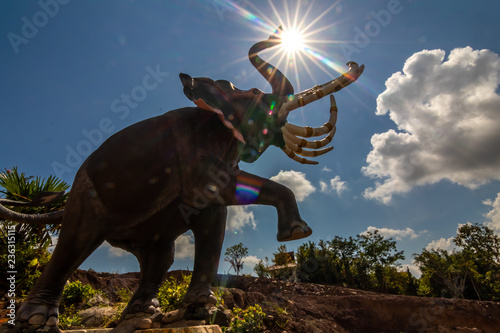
292, 41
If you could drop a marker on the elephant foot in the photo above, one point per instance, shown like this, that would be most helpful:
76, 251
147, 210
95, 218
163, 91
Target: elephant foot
147, 305
140, 314
199, 295
37, 318
298, 230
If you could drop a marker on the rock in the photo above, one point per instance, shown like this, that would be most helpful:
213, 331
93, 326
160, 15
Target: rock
220, 317
144, 324
173, 316
96, 316
98, 300
196, 311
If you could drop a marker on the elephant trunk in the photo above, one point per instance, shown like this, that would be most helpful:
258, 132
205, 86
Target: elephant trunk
279, 83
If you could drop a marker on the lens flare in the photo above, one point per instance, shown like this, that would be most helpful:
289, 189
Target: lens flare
247, 189
297, 33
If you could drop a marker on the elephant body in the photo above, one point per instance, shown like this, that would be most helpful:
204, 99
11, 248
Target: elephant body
156, 179
141, 189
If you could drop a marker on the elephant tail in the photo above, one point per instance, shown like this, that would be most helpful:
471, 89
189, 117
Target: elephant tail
41, 199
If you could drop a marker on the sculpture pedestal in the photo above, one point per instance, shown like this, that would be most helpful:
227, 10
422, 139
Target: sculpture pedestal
190, 329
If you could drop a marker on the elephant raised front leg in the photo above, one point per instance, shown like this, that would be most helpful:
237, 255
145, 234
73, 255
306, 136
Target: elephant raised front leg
227, 186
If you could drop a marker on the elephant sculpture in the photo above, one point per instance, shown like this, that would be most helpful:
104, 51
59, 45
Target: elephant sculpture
153, 181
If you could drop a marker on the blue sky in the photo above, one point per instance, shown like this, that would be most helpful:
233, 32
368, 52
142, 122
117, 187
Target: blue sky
417, 148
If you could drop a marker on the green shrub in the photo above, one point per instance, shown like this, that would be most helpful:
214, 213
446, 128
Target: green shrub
70, 319
172, 293
77, 294
124, 295
250, 320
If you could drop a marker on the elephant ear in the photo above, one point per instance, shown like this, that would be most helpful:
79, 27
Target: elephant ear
222, 116
213, 100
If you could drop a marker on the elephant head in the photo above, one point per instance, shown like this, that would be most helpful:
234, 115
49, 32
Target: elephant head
258, 119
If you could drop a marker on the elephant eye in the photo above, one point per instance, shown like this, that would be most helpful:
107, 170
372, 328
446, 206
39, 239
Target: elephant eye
256, 91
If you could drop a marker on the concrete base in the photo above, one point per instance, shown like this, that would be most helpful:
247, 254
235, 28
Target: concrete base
192, 329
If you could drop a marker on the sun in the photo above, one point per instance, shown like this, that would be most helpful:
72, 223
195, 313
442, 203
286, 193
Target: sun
292, 41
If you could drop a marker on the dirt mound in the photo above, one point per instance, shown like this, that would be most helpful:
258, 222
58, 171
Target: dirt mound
312, 308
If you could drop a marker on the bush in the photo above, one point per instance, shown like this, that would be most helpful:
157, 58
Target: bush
77, 294
250, 320
172, 293
70, 319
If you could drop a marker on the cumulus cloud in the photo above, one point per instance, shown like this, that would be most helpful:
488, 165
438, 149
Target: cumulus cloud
398, 234
448, 118
445, 244
250, 261
238, 217
326, 169
114, 252
414, 269
494, 214
335, 184
297, 182
184, 246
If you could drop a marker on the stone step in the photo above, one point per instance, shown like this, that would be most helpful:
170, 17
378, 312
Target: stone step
191, 329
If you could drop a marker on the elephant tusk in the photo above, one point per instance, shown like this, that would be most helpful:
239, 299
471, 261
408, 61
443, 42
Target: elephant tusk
307, 153
310, 95
292, 155
289, 137
294, 145
306, 131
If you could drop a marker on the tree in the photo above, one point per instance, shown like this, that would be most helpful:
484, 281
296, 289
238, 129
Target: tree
378, 255
471, 272
234, 255
19, 187
261, 268
31, 241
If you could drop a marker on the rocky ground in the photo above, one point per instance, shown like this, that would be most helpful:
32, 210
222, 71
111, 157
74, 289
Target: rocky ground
311, 308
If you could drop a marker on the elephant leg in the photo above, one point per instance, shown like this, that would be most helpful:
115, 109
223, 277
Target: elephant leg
208, 229
227, 186
155, 259
290, 224
41, 306
83, 230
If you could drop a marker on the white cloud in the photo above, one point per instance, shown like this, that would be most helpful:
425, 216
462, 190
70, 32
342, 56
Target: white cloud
494, 214
398, 234
414, 269
448, 119
326, 169
297, 182
238, 217
336, 184
445, 244
114, 251
250, 262
184, 246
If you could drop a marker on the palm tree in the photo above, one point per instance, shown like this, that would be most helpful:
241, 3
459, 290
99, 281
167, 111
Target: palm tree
32, 242
19, 187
